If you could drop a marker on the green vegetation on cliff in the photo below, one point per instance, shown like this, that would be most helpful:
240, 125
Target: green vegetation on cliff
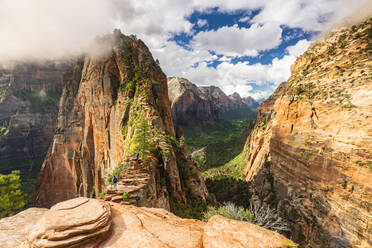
218, 150
215, 145
11, 197
3, 127
40, 101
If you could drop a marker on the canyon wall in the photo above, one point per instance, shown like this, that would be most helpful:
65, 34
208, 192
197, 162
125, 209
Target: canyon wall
310, 153
193, 105
114, 105
29, 97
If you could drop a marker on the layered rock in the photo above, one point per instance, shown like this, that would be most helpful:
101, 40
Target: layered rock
112, 106
29, 96
250, 102
193, 105
84, 222
310, 154
189, 105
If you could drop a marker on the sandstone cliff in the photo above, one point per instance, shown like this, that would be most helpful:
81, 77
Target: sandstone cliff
189, 105
310, 154
193, 105
84, 222
29, 96
112, 106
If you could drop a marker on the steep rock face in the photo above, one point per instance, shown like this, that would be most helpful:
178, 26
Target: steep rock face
29, 96
83, 222
191, 105
310, 153
250, 102
112, 106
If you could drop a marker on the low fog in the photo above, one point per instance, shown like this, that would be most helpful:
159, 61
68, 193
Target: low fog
49, 29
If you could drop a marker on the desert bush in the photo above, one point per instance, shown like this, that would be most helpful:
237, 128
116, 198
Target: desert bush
126, 196
231, 211
268, 218
261, 215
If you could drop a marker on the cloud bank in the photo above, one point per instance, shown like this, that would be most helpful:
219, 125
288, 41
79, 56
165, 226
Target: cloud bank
51, 29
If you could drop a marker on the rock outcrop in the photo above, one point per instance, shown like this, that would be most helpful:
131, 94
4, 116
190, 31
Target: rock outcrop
193, 105
84, 222
29, 97
310, 153
112, 106
189, 105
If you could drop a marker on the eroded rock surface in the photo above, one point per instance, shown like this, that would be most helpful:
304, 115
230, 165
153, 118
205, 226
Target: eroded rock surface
113, 106
193, 105
72, 223
310, 153
220, 232
84, 222
29, 97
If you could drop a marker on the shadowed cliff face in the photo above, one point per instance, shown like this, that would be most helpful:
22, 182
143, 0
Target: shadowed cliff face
310, 154
113, 106
193, 105
189, 105
29, 96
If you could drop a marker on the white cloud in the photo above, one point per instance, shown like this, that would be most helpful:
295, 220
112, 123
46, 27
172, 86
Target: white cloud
299, 48
51, 28
202, 22
236, 77
244, 19
235, 41
314, 15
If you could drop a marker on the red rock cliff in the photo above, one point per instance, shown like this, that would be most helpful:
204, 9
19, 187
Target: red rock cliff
113, 106
310, 154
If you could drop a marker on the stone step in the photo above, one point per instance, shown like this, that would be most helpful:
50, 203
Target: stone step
129, 202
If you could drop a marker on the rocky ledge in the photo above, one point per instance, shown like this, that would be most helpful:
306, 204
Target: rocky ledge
84, 222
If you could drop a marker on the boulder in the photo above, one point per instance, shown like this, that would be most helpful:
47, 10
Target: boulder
71, 224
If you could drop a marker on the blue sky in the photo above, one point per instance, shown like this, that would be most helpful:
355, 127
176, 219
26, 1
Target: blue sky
244, 46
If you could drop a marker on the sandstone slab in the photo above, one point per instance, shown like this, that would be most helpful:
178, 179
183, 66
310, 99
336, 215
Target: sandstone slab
221, 232
71, 224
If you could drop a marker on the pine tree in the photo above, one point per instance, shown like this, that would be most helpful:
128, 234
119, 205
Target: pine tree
142, 139
11, 197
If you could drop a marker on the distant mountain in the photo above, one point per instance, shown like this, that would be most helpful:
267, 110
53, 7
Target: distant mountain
192, 105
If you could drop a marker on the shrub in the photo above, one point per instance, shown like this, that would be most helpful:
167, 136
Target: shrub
11, 197
268, 218
229, 210
288, 245
349, 105
261, 215
102, 195
126, 196
3, 128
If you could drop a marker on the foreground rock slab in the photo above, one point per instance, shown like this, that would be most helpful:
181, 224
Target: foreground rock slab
91, 223
220, 232
14, 230
150, 227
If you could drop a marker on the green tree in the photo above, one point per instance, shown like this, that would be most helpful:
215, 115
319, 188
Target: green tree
142, 138
11, 197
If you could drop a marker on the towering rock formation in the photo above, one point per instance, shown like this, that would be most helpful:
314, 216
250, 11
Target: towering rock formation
29, 96
250, 102
112, 106
191, 105
310, 154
